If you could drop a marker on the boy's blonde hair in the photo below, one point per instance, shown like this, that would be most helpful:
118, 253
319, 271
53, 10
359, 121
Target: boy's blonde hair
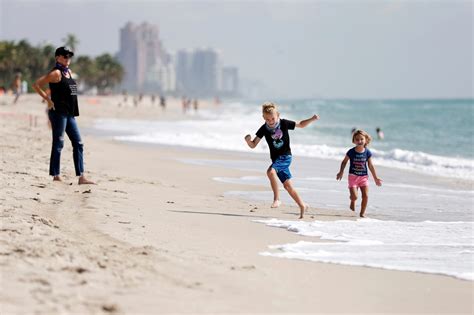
269, 108
367, 137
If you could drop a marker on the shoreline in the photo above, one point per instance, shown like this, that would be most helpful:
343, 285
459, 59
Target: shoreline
156, 232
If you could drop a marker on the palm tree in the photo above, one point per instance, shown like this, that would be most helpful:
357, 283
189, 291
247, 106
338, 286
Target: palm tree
7, 52
109, 73
85, 67
103, 72
71, 41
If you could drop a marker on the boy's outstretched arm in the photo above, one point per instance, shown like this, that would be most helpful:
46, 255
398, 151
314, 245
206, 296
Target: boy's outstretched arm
377, 180
306, 122
343, 166
252, 143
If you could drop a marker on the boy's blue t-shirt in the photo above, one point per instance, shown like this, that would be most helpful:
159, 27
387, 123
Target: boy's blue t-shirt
358, 165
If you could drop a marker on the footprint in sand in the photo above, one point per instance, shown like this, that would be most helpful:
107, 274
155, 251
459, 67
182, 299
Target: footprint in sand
247, 267
10, 230
41, 281
120, 191
111, 308
194, 285
76, 269
56, 201
39, 185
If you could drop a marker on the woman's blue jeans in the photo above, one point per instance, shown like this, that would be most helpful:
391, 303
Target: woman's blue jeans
61, 123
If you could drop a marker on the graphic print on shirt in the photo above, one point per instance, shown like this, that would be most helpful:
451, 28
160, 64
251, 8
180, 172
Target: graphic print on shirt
277, 136
359, 164
73, 88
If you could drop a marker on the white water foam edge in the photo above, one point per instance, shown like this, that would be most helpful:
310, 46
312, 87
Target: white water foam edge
443, 248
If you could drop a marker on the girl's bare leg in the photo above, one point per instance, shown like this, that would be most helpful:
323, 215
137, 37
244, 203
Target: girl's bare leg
289, 187
272, 176
353, 197
365, 200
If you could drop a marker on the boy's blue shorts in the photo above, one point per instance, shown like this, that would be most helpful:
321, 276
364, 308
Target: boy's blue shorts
282, 167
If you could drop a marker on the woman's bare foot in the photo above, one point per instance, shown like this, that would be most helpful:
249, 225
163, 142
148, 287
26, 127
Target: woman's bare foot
362, 215
275, 204
57, 179
85, 181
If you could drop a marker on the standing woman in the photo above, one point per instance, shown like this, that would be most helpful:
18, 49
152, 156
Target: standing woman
62, 110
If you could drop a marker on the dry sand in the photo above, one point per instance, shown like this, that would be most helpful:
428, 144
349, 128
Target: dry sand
156, 235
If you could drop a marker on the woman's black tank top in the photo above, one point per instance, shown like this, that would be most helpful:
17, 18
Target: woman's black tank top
64, 95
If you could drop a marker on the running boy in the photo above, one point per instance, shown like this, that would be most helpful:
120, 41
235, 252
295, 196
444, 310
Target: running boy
359, 157
275, 131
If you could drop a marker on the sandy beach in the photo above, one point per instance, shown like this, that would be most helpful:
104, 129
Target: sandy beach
157, 235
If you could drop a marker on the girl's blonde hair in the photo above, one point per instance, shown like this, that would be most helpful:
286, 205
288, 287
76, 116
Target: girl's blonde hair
269, 108
367, 137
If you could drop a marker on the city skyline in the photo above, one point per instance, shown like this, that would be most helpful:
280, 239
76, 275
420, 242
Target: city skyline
348, 49
149, 67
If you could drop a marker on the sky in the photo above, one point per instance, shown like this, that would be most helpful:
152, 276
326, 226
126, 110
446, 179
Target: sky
297, 49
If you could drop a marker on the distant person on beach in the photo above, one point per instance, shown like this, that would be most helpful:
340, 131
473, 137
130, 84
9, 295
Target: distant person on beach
196, 104
353, 130
16, 87
162, 102
275, 131
125, 96
359, 157
186, 103
380, 134
63, 108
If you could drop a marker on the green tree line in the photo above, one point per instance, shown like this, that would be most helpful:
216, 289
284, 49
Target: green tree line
103, 72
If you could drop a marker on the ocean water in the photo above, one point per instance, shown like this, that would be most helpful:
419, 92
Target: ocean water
428, 136
417, 222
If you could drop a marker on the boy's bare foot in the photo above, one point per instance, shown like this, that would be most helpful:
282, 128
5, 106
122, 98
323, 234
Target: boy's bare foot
57, 179
302, 211
276, 204
84, 181
362, 215
352, 206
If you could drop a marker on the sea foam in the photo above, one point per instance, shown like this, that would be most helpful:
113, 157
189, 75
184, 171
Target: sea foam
431, 247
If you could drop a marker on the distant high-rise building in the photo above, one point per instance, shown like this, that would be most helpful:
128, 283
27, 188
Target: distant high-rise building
141, 56
149, 68
168, 74
198, 72
205, 72
230, 81
183, 64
